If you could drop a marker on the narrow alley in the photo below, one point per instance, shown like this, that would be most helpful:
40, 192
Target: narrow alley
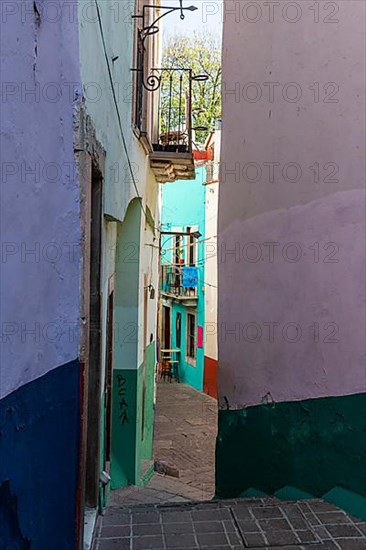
184, 448
182, 301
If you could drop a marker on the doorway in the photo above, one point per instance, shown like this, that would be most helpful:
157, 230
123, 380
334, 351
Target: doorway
166, 328
94, 348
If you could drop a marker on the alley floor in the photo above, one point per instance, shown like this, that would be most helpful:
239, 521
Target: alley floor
179, 513
184, 446
230, 525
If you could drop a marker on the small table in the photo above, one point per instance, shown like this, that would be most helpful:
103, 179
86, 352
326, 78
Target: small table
170, 356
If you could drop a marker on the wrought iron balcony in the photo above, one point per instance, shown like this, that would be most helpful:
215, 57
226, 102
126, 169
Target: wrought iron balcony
169, 141
172, 157
179, 282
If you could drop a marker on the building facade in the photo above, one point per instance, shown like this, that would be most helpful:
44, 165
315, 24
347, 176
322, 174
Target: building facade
291, 249
189, 270
82, 158
124, 384
183, 275
212, 199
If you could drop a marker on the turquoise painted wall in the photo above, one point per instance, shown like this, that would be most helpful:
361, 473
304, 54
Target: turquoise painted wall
183, 205
189, 374
184, 201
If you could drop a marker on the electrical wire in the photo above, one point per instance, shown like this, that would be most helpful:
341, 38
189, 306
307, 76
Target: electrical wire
190, 244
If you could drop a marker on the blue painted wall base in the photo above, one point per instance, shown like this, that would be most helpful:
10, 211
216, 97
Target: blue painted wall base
39, 446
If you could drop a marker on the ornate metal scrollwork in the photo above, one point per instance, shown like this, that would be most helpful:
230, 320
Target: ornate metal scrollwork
152, 83
150, 29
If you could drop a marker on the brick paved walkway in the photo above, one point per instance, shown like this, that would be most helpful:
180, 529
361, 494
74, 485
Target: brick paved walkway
231, 525
184, 439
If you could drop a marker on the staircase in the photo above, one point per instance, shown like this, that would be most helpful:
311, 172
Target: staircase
234, 524
351, 502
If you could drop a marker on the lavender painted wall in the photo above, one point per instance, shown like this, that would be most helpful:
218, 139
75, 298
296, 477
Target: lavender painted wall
40, 195
296, 311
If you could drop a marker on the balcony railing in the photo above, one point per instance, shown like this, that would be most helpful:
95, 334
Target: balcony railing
172, 156
179, 281
168, 136
175, 128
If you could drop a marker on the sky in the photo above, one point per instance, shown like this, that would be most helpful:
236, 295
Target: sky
208, 17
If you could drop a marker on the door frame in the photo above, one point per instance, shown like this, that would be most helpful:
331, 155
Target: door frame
88, 152
93, 429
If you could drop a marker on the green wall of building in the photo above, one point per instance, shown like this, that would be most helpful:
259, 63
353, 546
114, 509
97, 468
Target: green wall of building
132, 423
316, 446
148, 430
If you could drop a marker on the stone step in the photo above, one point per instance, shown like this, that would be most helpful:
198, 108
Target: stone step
230, 524
349, 501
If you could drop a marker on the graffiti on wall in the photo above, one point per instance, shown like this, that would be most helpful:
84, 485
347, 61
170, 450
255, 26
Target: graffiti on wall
122, 402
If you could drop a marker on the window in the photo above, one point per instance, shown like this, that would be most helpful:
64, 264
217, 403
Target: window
166, 328
178, 327
177, 249
192, 249
191, 336
139, 95
177, 262
192, 242
139, 68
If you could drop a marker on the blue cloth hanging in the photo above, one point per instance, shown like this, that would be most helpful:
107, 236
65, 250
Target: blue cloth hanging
190, 277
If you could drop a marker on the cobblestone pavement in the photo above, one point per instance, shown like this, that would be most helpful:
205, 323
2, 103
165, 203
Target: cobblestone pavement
230, 525
184, 439
160, 490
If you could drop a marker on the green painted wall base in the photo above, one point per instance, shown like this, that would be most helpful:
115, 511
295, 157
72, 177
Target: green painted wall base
132, 421
252, 492
292, 493
124, 427
296, 448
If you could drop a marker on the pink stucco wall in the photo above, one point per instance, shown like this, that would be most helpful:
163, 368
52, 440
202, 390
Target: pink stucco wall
291, 293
